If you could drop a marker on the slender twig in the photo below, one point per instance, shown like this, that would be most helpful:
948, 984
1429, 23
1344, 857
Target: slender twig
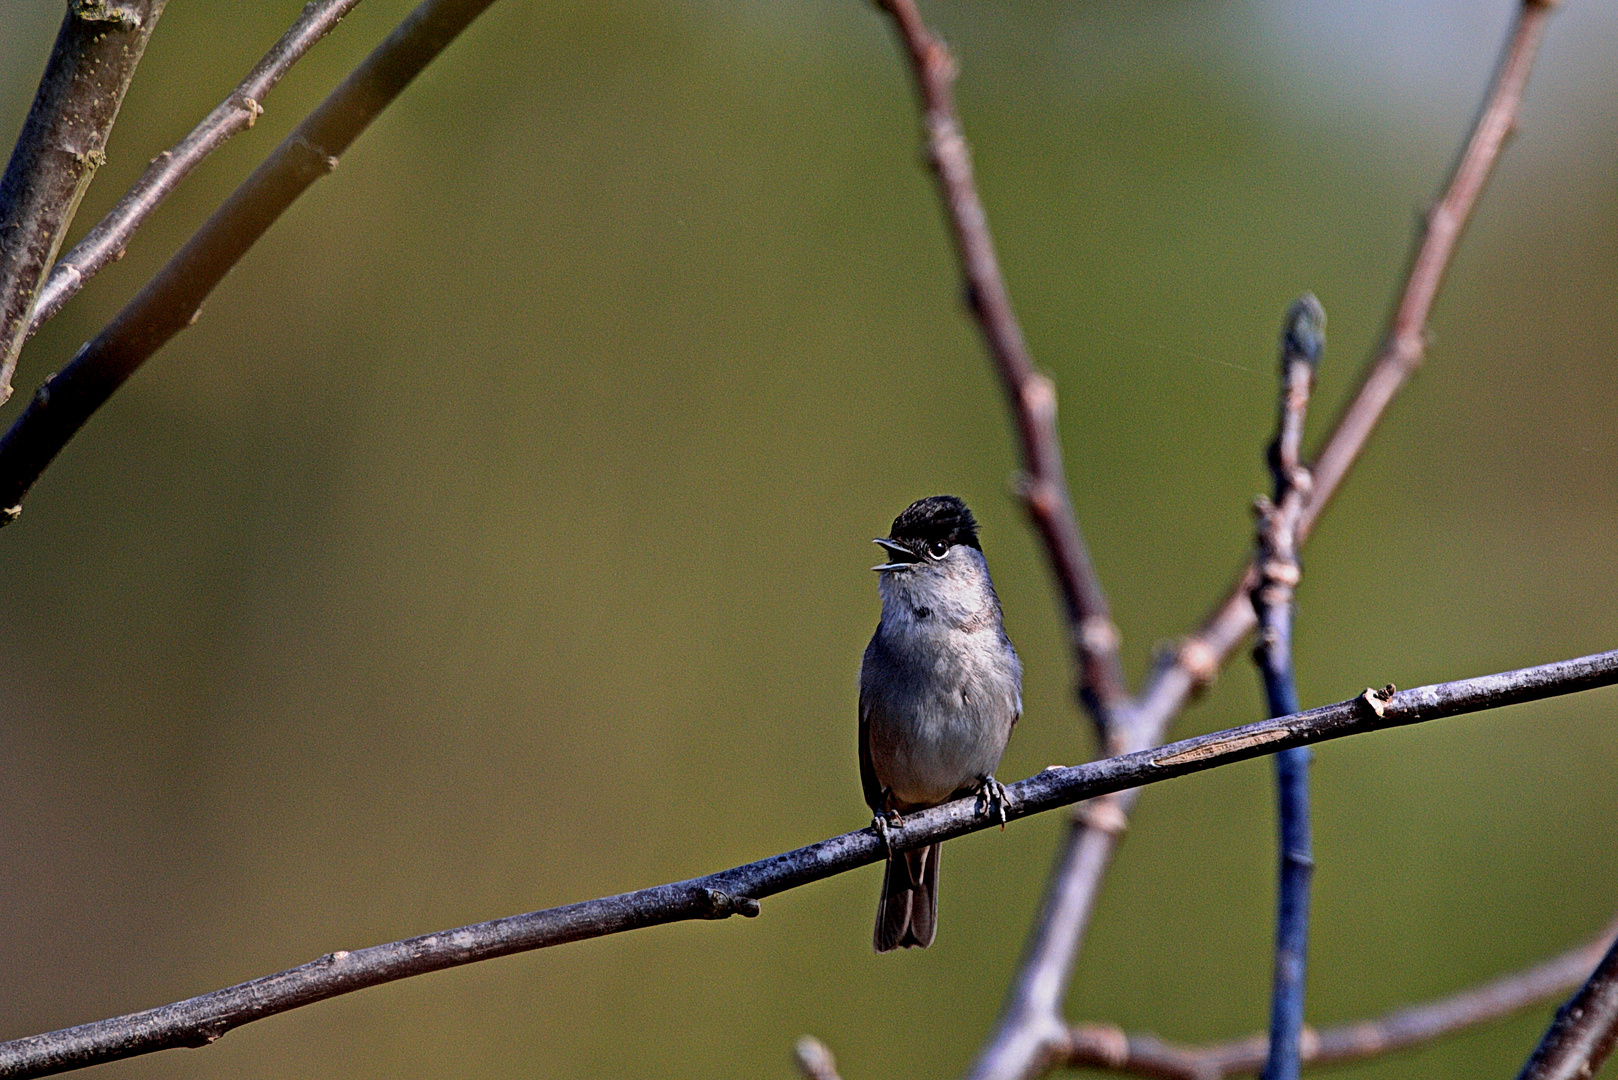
1302, 339
201, 1020
1024, 1037
1583, 1033
1031, 1015
1102, 1046
105, 243
1031, 394
1200, 656
63, 142
169, 302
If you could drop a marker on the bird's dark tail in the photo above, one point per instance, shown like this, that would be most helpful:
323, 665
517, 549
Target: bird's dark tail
907, 913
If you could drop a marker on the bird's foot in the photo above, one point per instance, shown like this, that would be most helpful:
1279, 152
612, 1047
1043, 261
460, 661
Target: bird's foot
993, 798
881, 823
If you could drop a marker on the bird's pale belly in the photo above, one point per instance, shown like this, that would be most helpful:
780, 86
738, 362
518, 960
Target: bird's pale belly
925, 757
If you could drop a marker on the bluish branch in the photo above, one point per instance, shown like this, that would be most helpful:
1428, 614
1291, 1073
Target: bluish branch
1302, 339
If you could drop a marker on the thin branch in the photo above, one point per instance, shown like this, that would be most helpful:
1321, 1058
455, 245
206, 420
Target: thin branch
201, 1020
1023, 1040
1031, 1015
1302, 339
1583, 1033
1199, 658
170, 301
63, 142
105, 243
1032, 395
1102, 1046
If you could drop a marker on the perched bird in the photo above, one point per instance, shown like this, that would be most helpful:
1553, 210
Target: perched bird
940, 689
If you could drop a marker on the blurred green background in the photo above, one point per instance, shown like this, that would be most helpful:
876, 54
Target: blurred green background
498, 538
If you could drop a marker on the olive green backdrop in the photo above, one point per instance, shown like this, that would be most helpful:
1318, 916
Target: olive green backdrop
498, 537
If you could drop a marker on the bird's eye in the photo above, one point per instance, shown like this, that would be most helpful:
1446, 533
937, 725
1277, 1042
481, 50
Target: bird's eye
938, 549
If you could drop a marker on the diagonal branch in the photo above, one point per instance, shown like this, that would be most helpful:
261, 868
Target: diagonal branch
105, 243
201, 1020
1200, 656
63, 142
1102, 1046
170, 301
1031, 1014
1583, 1033
1031, 1025
1032, 395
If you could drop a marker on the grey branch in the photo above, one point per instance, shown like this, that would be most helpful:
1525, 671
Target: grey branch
63, 142
1102, 1046
1110, 1048
171, 300
105, 243
1031, 1024
1032, 395
201, 1020
1200, 656
1582, 1035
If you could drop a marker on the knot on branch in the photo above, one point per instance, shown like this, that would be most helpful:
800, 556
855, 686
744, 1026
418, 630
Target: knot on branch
1097, 634
1097, 1044
121, 17
248, 105
1377, 700
1102, 814
322, 158
1038, 394
1282, 571
722, 905
1200, 661
206, 1033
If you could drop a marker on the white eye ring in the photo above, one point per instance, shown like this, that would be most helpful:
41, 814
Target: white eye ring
938, 549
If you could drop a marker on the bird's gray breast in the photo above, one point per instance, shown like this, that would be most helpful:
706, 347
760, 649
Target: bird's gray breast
940, 699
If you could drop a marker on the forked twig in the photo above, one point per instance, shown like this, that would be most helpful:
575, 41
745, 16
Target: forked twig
1110, 1048
170, 301
1102, 1046
1030, 1025
1200, 656
63, 143
105, 243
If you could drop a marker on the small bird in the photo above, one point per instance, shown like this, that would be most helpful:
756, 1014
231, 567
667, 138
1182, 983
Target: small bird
940, 690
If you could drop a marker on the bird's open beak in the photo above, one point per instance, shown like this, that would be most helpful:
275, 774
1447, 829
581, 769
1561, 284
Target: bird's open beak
902, 557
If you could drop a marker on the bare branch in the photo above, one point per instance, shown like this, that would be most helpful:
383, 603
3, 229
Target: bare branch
1102, 1046
1200, 656
63, 142
1031, 1016
1032, 395
1583, 1033
1302, 340
170, 301
201, 1020
105, 243
1023, 1039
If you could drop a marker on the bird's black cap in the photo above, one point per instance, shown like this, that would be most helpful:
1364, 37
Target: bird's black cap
937, 517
